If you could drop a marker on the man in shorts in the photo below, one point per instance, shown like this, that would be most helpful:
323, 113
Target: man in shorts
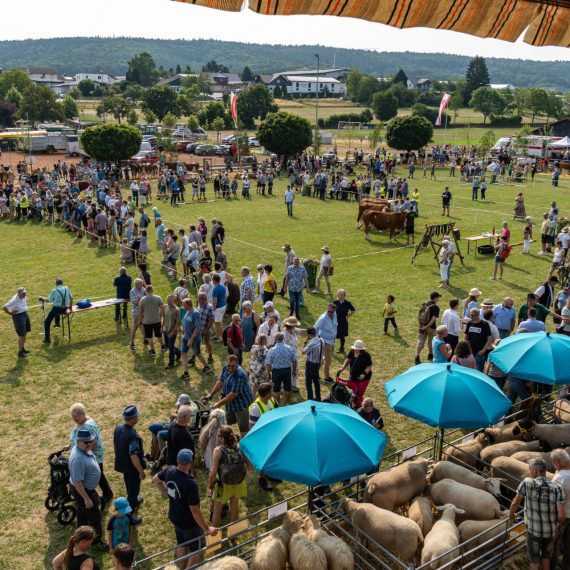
177, 485
237, 394
151, 314
219, 295
17, 308
543, 510
281, 364
191, 339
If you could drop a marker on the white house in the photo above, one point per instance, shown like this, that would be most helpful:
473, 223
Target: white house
339, 73
306, 85
101, 78
508, 86
46, 76
176, 81
65, 87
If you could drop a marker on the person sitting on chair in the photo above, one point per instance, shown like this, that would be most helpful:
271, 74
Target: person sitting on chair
62, 302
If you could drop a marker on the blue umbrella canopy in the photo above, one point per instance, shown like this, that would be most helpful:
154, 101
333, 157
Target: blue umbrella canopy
313, 443
538, 356
447, 396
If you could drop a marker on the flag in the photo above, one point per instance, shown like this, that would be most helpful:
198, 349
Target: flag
444, 101
233, 105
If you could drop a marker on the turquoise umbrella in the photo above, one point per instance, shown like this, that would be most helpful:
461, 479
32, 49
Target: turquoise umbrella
538, 356
313, 443
447, 396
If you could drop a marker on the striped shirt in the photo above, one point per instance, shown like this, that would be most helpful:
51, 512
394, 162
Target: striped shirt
280, 356
246, 284
206, 315
314, 350
236, 383
540, 510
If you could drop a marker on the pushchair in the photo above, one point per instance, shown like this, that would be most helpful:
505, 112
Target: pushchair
59, 493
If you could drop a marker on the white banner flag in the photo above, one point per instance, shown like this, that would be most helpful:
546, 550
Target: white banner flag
444, 102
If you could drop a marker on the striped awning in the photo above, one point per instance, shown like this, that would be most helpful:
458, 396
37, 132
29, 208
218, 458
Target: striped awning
548, 21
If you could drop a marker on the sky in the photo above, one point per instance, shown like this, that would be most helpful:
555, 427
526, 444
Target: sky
173, 20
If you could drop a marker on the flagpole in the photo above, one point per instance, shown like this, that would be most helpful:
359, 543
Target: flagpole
444, 131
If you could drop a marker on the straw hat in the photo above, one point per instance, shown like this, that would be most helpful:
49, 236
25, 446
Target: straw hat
358, 345
487, 303
474, 292
325, 249
291, 322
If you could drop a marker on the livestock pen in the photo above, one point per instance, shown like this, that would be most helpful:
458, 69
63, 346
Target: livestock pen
486, 550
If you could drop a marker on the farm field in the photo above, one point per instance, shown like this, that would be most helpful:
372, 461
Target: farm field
98, 369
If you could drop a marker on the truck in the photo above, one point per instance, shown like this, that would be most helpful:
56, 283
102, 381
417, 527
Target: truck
55, 142
536, 146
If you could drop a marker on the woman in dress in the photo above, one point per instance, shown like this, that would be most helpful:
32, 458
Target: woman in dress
344, 310
75, 556
520, 211
257, 370
249, 325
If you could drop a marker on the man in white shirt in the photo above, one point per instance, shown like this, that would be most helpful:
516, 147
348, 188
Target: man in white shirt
269, 328
17, 308
452, 321
564, 237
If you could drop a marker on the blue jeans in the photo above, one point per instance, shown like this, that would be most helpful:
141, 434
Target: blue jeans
517, 387
504, 333
480, 361
289, 208
173, 350
133, 485
160, 429
295, 303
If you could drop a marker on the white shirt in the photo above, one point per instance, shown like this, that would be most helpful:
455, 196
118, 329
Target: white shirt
451, 320
325, 260
564, 237
264, 329
17, 304
562, 477
494, 331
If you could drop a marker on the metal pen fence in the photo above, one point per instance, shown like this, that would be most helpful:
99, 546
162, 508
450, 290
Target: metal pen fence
485, 551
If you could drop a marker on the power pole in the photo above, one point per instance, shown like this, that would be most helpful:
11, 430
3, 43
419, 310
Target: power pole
317, 102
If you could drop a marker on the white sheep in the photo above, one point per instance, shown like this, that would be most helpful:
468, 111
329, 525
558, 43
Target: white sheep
443, 538
449, 470
555, 435
477, 504
226, 563
271, 552
304, 554
507, 448
467, 452
339, 554
561, 409
399, 535
397, 486
501, 434
420, 512
526, 456
512, 471
492, 528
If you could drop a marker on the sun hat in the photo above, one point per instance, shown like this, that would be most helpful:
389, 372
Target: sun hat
287, 245
84, 435
474, 292
131, 412
358, 345
291, 322
183, 399
122, 506
325, 249
566, 229
184, 456
488, 303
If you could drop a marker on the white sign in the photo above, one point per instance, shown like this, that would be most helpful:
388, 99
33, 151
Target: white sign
277, 510
409, 453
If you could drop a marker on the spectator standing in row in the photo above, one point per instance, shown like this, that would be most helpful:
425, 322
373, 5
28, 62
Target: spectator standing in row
135, 296
151, 315
170, 329
191, 340
478, 335
314, 352
505, 317
561, 462
206, 322
179, 436
452, 322
281, 364
219, 296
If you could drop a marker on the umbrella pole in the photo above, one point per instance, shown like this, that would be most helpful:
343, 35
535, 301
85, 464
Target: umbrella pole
439, 444
310, 500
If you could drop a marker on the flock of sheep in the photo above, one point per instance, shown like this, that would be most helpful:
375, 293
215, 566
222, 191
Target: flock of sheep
398, 507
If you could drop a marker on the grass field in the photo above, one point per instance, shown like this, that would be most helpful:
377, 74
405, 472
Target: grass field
98, 369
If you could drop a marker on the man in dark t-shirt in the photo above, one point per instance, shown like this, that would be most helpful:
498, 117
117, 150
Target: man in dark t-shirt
427, 331
179, 436
178, 486
478, 335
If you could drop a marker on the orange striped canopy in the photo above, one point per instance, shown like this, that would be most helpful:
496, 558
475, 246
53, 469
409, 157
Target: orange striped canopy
548, 21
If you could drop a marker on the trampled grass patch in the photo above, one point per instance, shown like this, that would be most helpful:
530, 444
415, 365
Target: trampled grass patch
98, 369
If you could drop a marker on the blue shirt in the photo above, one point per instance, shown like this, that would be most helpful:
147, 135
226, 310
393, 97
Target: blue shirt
532, 325
327, 327
246, 284
121, 528
93, 428
296, 278
83, 468
437, 356
236, 383
190, 321
219, 293
504, 318
134, 295
123, 285
280, 356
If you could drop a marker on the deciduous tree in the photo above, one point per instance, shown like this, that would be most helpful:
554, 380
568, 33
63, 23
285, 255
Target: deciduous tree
69, 107
160, 99
489, 102
285, 134
255, 102
39, 104
409, 133
142, 70
111, 141
384, 105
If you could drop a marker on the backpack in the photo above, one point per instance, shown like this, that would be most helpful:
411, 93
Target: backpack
225, 334
232, 466
424, 315
505, 252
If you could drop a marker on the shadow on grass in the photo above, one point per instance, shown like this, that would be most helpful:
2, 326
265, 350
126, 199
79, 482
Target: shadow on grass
12, 376
61, 347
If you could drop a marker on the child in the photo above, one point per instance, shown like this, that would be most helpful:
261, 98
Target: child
388, 314
119, 527
527, 235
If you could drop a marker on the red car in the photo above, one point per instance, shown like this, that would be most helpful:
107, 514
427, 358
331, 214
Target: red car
146, 156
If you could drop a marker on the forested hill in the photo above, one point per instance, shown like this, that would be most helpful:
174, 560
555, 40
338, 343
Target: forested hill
74, 55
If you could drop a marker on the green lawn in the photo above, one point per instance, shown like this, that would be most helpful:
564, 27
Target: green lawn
98, 369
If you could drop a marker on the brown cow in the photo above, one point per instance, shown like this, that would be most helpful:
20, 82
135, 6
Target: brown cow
393, 221
370, 203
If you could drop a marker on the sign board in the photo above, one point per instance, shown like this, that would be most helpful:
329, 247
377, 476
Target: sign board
213, 543
409, 453
277, 510
237, 528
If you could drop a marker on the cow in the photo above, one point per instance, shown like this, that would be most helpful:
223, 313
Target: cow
393, 221
370, 203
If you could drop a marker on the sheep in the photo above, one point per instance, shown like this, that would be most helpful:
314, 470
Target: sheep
420, 512
561, 409
338, 553
512, 471
477, 504
501, 435
471, 529
448, 470
398, 534
443, 538
526, 456
398, 485
467, 452
554, 435
271, 552
305, 554
225, 563
507, 448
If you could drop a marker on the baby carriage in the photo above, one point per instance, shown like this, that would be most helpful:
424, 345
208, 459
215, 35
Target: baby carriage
59, 493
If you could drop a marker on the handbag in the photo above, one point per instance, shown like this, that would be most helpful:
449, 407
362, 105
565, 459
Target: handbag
331, 270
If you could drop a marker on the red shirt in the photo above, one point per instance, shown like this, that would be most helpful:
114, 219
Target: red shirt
235, 335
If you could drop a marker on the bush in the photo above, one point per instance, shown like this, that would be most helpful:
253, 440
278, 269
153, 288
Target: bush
332, 122
507, 121
429, 113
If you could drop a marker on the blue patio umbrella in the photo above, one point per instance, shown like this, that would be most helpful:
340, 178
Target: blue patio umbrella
313, 443
538, 356
447, 396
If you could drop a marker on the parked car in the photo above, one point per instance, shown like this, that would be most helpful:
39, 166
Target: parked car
146, 156
229, 139
199, 133
224, 149
191, 148
252, 141
183, 145
206, 149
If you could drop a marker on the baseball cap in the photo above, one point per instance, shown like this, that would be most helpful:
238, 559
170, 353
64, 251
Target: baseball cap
268, 304
183, 399
131, 412
122, 506
84, 435
184, 456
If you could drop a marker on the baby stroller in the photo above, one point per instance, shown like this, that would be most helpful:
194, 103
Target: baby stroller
357, 389
59, 493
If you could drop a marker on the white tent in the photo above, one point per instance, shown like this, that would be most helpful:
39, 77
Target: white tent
562, 143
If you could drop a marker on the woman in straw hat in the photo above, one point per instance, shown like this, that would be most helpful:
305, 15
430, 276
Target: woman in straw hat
291, 332
360, 363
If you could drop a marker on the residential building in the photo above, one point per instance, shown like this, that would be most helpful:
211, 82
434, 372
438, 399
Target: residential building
500, 86
176, 82
101, 78
46, 76
338, 73
65, 87
306, 85
424, 84
224, 82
